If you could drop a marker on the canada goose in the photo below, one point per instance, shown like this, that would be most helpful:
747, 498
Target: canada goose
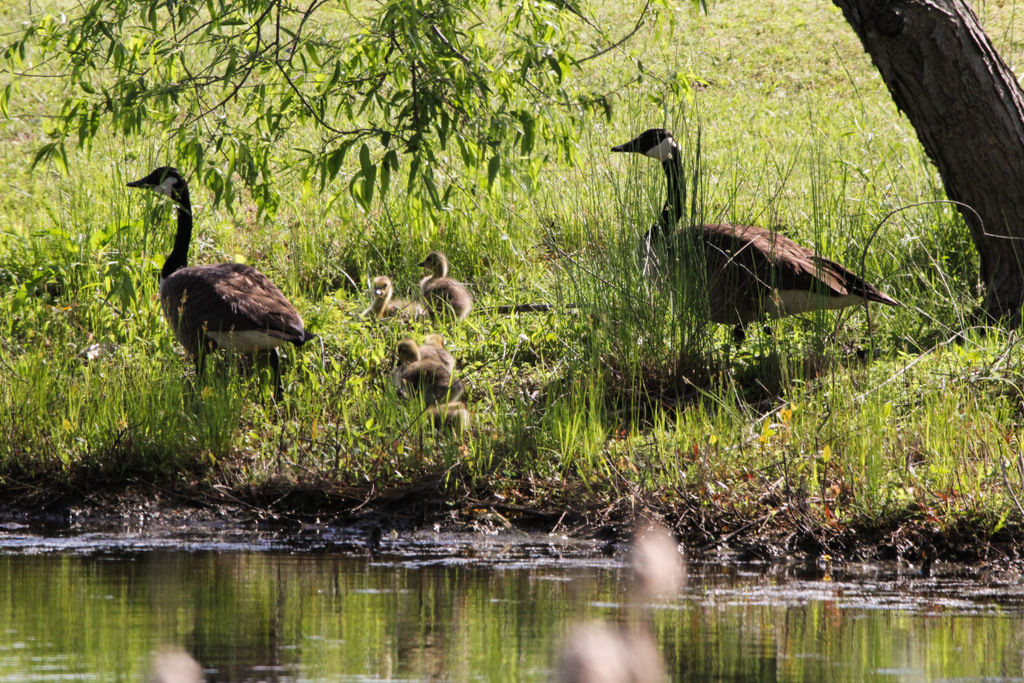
753, 273
222, 305
414, 374
443, 294
385, 305
432, 348
454, 416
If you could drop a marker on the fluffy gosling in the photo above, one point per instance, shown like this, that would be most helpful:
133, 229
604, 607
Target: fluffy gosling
444, 295
415, 375
386, 306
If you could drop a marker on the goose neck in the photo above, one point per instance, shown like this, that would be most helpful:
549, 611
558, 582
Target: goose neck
675, 197
178, 258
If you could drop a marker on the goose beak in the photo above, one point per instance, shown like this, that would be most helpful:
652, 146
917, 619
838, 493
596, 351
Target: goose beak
631, 146
423, 264
137, 183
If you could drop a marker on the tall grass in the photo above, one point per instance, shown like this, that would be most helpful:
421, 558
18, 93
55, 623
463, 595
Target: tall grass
625, 388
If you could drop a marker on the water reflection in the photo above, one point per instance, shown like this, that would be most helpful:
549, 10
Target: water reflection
280, 607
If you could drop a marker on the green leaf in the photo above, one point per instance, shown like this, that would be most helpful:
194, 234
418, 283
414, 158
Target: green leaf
389, 162
335, 159
369, 179
493, 166
365, 164
44, 153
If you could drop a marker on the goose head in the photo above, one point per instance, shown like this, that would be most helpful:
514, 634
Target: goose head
656, 143
434, 339
408, 352
167, 181
436, 262
382, 288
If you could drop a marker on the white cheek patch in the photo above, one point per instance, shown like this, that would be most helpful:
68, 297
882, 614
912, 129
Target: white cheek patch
664, 151
167, 186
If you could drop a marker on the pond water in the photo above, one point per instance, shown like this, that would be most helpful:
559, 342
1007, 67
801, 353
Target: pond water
314, 605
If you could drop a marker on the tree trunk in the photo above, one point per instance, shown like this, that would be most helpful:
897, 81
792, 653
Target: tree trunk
968, 111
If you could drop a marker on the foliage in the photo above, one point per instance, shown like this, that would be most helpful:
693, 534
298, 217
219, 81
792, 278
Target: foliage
405, 88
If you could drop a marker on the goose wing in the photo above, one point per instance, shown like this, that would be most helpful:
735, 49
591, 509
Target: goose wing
233, 297
771, 260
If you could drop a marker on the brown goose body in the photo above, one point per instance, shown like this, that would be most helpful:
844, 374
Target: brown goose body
386, 306
444, 295
751, 273
225, 305
416, 375
756, 274
230, 306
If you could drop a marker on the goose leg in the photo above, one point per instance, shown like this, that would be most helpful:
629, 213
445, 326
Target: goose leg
275, 367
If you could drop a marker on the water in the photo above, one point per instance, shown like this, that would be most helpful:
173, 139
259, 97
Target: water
313, 605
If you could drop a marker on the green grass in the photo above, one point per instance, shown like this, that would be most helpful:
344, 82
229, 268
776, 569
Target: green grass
631, 394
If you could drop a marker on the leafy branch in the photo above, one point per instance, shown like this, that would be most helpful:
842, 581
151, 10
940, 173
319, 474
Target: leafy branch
233, 87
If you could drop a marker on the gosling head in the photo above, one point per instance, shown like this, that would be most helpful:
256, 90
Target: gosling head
656, 143
167, 181
382, 288
434, 339
408, 352
382, 291
436, 262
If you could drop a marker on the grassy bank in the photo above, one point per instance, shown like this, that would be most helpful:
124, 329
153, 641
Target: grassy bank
627, 402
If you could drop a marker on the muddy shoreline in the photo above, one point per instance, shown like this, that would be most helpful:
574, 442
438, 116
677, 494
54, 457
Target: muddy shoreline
365, 515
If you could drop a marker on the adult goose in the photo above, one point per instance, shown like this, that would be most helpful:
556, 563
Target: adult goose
752, 273
444, 295
223, 305
386, 306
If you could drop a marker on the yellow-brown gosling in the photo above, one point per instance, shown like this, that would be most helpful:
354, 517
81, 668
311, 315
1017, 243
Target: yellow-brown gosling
433, 348
386, 306
415, 375
444, 295
223, 305
752, 274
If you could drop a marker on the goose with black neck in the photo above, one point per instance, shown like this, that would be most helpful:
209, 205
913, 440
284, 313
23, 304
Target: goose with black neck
230, 306
751, 273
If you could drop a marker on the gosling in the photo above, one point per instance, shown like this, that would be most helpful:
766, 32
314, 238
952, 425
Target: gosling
444, 295
415, 375
385, 306
433, 348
